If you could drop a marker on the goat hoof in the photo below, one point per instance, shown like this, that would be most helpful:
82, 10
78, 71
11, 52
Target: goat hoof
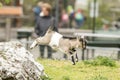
76, 60
73, 63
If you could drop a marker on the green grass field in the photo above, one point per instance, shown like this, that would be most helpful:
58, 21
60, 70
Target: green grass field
64, 70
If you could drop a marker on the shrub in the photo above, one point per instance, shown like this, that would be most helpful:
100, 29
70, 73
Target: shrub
101, 61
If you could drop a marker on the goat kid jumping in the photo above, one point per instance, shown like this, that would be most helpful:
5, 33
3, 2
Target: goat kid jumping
57, 42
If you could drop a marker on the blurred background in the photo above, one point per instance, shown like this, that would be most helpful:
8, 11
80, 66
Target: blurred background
101, 17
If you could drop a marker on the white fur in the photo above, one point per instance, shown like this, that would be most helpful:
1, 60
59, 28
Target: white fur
54, 42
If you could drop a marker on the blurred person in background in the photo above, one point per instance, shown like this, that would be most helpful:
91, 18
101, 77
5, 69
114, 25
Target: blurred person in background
64, 19
71, 15
37, 10
44, 21
79, 18
116, 24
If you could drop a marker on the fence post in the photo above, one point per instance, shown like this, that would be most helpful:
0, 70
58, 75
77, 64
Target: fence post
8, 26
118, 56
83, 54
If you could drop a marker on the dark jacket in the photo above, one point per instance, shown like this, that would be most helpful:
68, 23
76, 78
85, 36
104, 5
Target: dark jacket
36, 11
43, 23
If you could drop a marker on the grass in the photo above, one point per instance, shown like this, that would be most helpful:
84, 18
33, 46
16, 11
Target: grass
101, 61
64, 70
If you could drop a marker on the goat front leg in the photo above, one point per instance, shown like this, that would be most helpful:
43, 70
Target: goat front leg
76, 56
72, 58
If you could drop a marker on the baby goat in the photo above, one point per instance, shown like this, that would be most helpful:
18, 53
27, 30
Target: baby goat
57, 42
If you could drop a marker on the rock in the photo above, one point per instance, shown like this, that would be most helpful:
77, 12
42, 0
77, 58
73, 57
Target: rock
17, 63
